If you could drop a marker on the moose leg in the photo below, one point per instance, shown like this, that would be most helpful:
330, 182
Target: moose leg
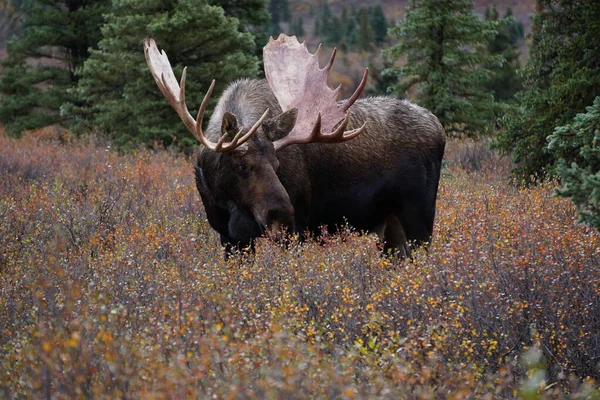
418, 224
391, 235
232, 249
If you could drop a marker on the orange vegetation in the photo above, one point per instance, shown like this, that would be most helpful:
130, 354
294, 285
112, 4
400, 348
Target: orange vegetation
112, 284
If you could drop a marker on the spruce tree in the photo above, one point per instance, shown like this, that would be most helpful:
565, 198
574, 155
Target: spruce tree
317, 27
515, 28
279, 11
324, 21
348, 26
507, 81
250, 13
286, 15
10, 19
365, 35
252, 16
41, 63
334, 31
299, 27
444, 45
122, 99
379, 23
381, 79
577, 146
274, 11
562, 77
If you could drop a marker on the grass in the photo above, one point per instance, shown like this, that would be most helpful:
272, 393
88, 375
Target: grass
113, 285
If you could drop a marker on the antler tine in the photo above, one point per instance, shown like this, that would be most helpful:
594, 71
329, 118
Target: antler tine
158, 61
319, 47
331, 59
198, 131
357, 92
340, 134
298, 82
185, 115
316, 132
238, 139
166, 81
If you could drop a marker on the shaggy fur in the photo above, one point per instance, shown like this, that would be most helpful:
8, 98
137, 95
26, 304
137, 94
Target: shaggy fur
384, 181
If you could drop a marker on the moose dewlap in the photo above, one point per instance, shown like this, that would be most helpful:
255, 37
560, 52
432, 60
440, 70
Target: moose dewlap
284, 153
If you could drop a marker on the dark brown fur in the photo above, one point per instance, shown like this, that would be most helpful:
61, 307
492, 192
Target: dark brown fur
384, 181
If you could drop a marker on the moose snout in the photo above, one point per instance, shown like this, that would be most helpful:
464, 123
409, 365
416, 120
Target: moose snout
275, 215
280, 215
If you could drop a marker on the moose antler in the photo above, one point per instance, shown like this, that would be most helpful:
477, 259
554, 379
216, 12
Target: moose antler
165, 79
297, 81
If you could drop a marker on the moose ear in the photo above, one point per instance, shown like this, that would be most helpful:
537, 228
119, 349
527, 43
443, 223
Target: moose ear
280, 126
229, 125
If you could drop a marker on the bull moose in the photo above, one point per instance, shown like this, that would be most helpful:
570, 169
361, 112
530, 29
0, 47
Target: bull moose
283, 152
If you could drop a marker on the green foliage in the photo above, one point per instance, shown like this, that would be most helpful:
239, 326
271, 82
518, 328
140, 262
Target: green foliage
297, 27
562, 77
41, 64
443, 43
378, 22
10, 19
364, 28
507, 80
578, 147
365, 34
516, 30
381, 79
251, 14
279, 11
121, 98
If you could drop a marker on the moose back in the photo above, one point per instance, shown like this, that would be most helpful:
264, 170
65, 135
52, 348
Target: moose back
283, 153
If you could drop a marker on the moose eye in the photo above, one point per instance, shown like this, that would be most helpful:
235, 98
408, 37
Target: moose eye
243, 168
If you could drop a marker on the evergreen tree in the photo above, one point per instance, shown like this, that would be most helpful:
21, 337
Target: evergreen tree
10, 19
562, 77
444, 45
317, 27
122, 98
334, 31
41, 62
274, 11
365, 35
515, 29
280, 12
578, 147
300, 27
324, 21
297, 27
286, 15
381, 79
507, 81
348, 27
250, 13
378, 22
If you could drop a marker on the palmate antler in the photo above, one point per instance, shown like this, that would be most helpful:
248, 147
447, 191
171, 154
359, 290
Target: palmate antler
297, 81
165, 79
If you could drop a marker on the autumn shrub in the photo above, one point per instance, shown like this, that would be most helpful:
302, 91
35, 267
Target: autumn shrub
474, 155
113, 285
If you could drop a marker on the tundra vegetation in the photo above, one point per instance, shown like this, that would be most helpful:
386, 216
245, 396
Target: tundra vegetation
113, 284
